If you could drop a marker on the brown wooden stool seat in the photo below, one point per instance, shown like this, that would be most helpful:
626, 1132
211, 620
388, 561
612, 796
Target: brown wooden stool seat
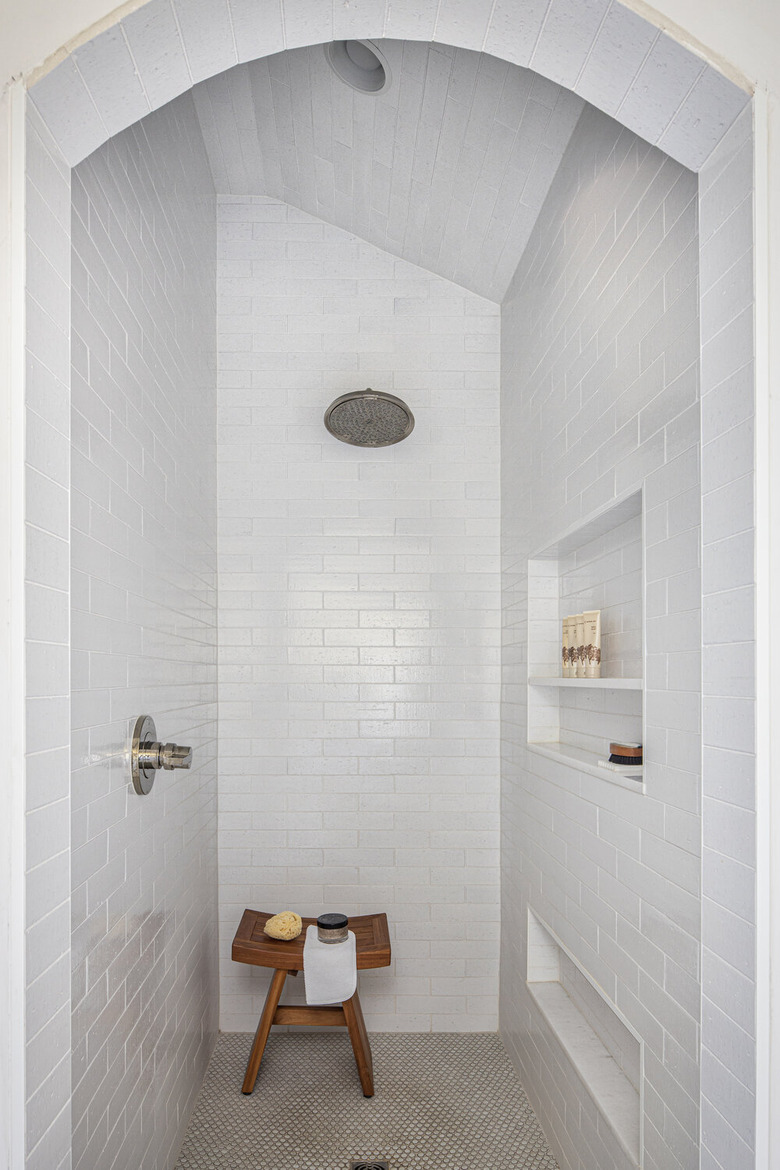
251, 945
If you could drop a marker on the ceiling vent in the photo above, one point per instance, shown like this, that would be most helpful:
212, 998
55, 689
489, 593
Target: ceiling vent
360, 64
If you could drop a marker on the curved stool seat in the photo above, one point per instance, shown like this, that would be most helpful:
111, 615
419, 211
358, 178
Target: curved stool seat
251, 945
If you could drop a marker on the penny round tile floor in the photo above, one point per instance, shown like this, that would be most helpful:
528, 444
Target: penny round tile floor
443, 1101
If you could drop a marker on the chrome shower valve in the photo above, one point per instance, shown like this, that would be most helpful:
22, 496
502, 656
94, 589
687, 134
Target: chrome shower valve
174, 755
148, 755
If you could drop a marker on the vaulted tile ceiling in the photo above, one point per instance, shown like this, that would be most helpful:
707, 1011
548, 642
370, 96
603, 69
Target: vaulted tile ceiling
447, 168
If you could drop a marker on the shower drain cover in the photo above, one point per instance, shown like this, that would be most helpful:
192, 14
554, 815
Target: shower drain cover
372, 1164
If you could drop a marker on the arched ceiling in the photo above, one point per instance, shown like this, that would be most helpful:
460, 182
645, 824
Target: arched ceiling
600, 49
447, 168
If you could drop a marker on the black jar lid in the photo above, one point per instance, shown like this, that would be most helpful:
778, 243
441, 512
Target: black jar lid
332, 921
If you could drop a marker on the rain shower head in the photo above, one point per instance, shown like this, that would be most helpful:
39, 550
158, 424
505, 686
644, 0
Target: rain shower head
369, 418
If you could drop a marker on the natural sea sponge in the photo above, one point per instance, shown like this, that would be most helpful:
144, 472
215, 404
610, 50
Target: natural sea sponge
287, 925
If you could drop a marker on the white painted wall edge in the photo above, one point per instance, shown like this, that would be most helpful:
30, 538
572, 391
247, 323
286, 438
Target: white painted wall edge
767, 502
12, 673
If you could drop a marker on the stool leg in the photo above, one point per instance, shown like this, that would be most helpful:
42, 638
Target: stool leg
353, 1013
263, 1029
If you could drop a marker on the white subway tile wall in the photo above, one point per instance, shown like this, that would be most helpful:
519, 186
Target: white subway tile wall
359, 613
80, 107
600, 351
143, 538
47, 484
606, 574
728, 612
602, 572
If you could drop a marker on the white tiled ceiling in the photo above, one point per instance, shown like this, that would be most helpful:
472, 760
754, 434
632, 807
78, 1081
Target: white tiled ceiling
447, 168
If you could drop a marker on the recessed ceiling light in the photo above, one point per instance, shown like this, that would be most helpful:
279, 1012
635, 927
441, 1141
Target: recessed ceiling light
360, 64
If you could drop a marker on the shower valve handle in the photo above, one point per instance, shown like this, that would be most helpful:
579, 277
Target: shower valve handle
174, 755
148, 755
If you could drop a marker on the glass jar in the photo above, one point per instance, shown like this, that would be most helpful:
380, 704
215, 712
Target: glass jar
332, 928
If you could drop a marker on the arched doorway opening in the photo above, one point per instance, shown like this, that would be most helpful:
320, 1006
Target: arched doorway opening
652, 85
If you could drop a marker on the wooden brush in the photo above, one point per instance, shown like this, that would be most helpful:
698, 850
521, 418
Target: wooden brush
625, 753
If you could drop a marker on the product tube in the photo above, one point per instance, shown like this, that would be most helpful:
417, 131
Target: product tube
565, 648
592, 643
579, 647
573, 645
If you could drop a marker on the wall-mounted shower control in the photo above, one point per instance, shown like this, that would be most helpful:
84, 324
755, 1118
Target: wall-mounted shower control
148, 755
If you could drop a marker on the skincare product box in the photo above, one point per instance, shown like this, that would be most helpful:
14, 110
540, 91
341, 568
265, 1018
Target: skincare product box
591, 650
579, 638
566, 650
581, 645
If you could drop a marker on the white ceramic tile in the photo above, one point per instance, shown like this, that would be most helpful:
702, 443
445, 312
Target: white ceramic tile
619, 893
307, 22
707, 113
728, 1024
660, 87
408, 672
364, 19
621, 45
69, 111
207, 35
562, 38
155, 44
461, 23
47, 448
514, 29
439, 204
257, 30
109, 73
377, 618
143, 631
566, 38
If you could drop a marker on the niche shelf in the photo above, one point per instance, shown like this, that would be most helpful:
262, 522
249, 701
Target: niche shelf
598, 564
596, 1039
595, 684
584, 761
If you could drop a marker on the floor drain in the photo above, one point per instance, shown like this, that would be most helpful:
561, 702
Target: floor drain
372, 1164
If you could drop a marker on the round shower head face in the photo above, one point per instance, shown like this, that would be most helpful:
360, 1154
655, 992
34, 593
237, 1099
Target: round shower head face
369, 418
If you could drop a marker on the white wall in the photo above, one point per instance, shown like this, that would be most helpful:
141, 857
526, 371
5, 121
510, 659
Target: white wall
143, 539
731, 1027
47, 1082
359, 613
12, 522
600, 345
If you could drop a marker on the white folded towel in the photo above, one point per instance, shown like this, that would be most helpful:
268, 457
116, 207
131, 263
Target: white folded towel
329, 969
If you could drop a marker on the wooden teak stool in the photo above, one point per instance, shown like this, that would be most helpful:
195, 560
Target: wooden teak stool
251, 945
